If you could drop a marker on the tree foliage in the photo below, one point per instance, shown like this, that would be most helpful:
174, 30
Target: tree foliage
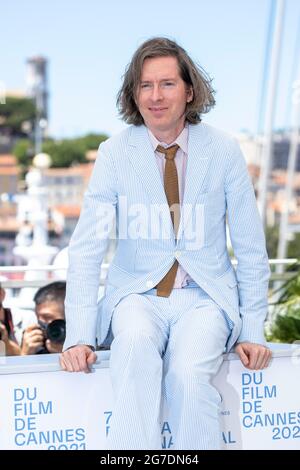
293, 250
285, 327
63, 153
23, 151
272, 239
14, 113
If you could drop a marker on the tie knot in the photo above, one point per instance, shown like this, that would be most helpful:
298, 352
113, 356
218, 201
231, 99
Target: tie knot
169, 152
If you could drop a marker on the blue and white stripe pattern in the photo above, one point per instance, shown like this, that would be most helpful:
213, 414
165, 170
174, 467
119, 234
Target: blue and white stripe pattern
172, 345
217, 182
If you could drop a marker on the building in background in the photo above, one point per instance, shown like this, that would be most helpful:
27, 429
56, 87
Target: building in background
9, 174
276, 194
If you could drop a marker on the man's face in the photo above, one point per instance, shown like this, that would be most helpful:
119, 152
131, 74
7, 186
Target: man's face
49, 311
162, 95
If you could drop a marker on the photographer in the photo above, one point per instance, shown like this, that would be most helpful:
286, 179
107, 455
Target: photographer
7, 335
47, 335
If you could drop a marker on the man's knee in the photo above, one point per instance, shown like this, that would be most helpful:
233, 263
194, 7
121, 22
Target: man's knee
185, 372
139, 338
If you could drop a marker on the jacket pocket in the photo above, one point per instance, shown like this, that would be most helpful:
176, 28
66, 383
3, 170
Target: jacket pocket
118, 277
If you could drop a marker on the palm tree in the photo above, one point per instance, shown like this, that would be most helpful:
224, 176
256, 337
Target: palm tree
285, 327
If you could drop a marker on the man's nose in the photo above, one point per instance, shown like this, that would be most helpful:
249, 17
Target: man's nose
156, 93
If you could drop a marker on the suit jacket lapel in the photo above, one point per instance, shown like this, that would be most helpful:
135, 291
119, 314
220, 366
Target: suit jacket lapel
143, 161
198, 161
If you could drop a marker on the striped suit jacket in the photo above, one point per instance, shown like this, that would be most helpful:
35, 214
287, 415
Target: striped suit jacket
126, 187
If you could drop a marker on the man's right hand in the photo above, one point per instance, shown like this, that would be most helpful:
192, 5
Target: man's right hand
78, 359
33, 339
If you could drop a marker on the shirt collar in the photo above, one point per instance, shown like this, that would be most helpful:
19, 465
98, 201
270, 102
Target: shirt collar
181, 140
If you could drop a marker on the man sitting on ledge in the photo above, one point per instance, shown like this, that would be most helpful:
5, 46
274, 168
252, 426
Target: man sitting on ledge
173, 302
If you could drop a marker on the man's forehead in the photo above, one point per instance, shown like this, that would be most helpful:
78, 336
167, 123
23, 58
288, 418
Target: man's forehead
49, 306
160, 64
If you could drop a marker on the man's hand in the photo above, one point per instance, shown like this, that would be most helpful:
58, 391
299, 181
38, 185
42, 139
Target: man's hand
33, 339
78, 359
11, 348
254, 356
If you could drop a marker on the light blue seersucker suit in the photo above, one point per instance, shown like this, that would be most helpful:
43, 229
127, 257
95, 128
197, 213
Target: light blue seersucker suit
125, 180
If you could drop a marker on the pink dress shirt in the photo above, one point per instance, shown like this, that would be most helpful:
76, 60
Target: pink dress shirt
181, 161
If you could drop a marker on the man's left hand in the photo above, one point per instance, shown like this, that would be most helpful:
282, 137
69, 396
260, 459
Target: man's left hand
254, 356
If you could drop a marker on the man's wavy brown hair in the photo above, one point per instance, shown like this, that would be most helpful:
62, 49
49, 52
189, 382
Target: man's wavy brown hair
192, 74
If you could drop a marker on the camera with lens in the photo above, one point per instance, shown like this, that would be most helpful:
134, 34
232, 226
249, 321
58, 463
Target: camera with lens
54, 331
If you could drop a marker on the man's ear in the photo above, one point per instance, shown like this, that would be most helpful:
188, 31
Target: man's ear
189, 94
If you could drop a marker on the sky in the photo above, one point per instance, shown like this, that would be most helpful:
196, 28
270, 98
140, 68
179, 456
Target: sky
89, 43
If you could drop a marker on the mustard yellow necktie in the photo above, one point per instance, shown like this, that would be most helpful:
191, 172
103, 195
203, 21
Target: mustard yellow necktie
165, 286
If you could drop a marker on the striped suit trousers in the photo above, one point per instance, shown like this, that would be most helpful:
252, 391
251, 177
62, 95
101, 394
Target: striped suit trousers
167, 347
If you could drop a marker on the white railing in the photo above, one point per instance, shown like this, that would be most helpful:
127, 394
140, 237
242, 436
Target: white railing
50, 269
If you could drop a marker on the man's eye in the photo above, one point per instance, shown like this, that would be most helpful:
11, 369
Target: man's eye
145, 85
168, 83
